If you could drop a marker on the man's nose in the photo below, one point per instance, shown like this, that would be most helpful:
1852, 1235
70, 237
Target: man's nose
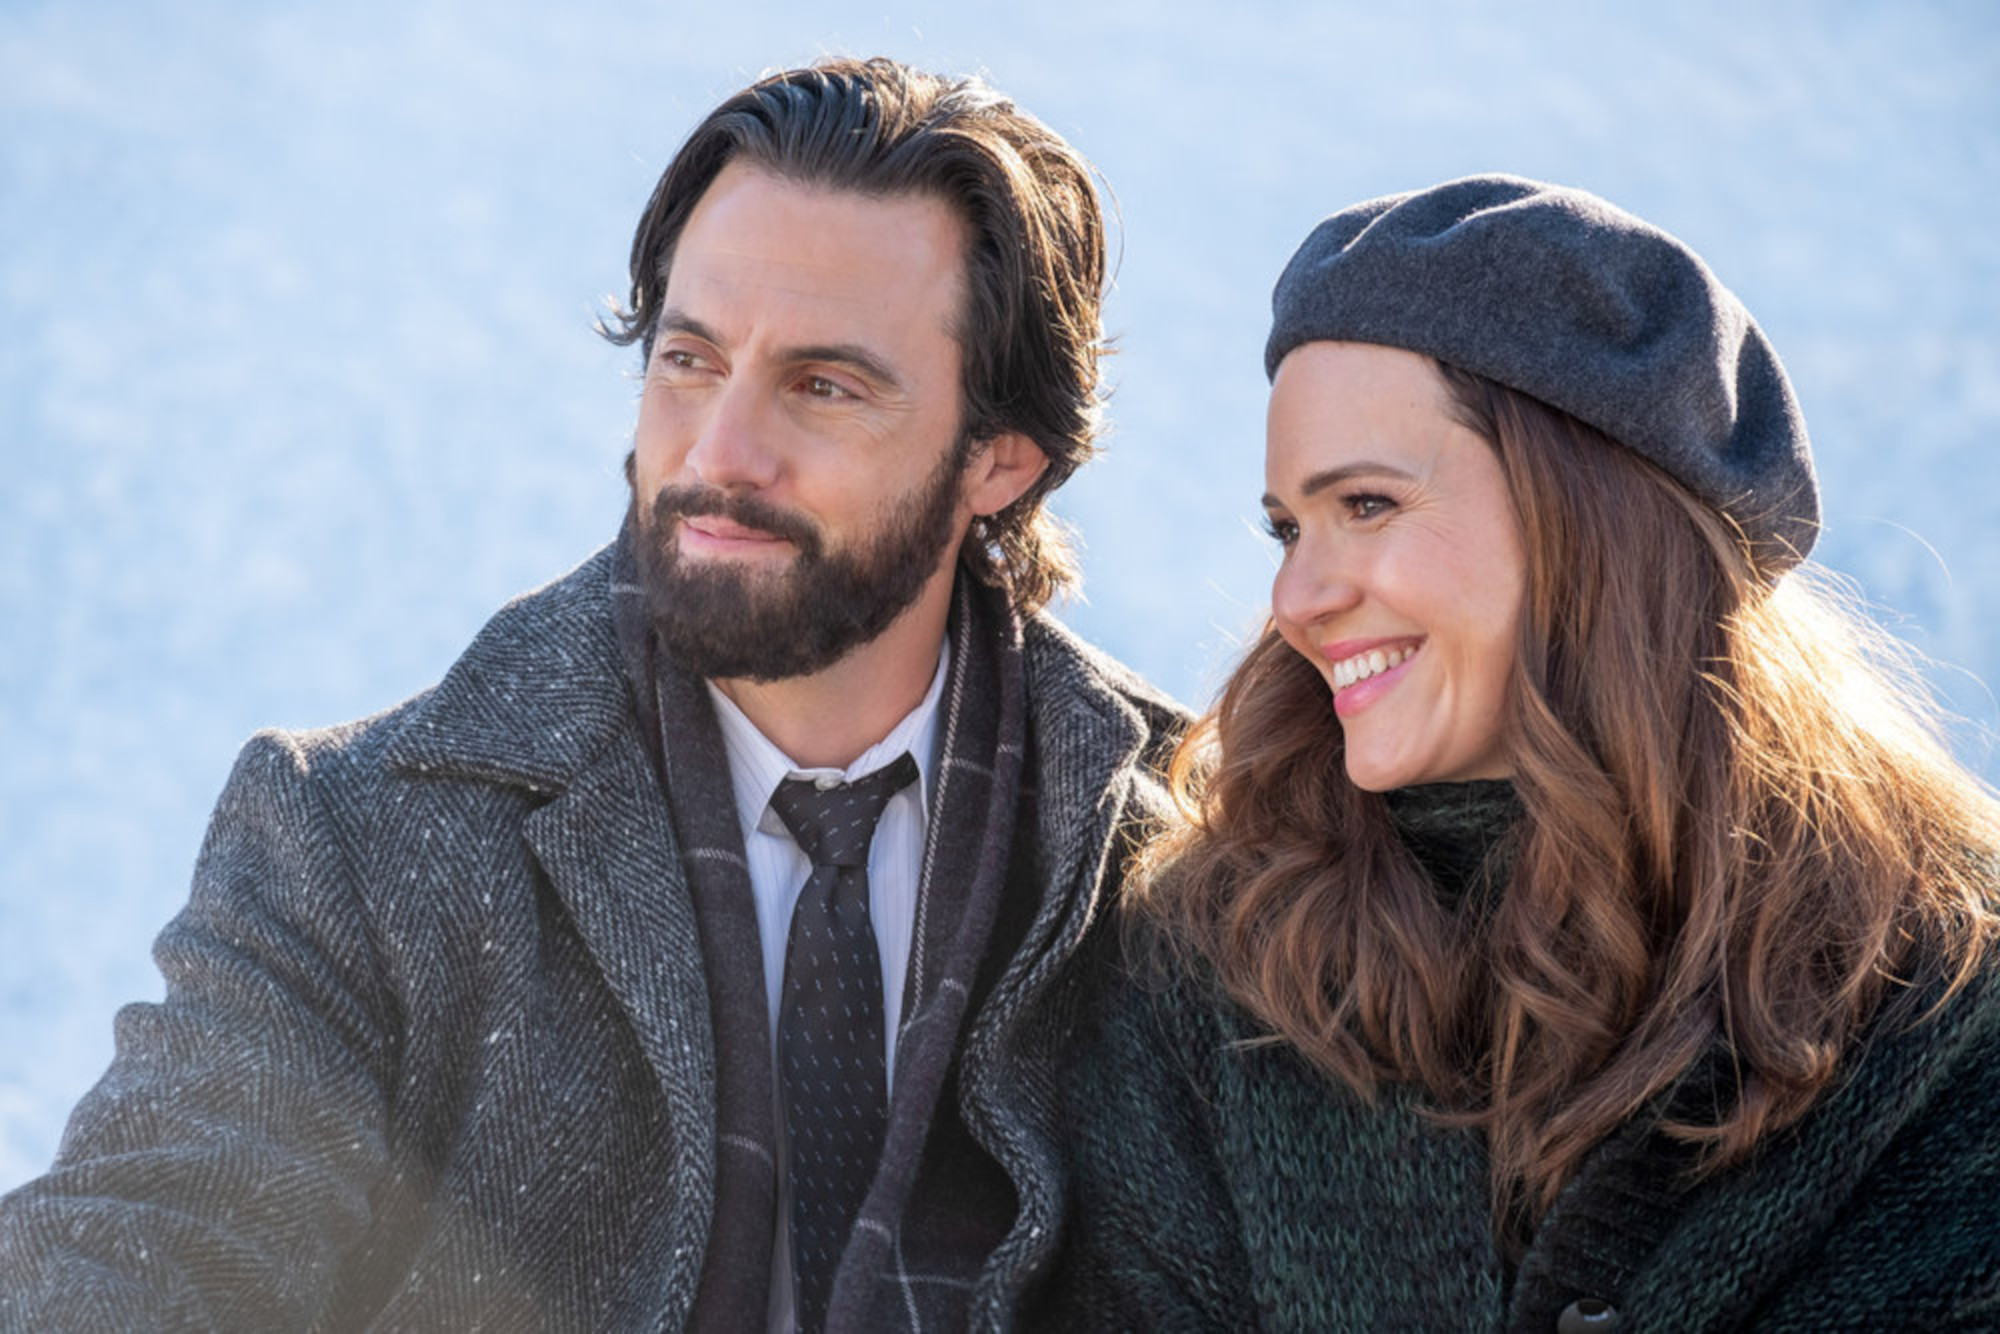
732, 448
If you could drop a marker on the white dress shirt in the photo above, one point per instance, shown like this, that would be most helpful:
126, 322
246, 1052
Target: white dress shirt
778, 871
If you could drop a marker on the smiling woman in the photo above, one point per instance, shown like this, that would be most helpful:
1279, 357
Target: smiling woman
1616, 945
1402, 573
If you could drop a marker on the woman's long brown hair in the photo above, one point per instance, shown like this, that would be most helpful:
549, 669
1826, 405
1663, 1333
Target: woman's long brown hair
1740, 823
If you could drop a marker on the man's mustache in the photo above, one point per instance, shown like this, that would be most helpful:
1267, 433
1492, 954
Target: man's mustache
689, 502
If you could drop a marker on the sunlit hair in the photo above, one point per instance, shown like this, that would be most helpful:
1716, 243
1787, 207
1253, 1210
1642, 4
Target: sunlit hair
1031, 332
1740, 824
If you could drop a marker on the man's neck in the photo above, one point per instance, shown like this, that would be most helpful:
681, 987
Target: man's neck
826, 720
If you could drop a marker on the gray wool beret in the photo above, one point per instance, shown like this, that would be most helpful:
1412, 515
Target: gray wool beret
1560, 295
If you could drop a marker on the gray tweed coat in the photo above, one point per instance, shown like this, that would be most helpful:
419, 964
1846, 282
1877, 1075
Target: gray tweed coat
436, 1051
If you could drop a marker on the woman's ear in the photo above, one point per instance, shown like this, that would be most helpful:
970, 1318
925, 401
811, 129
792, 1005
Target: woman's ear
1000, 472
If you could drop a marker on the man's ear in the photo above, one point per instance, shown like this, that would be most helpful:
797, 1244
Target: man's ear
1000, 472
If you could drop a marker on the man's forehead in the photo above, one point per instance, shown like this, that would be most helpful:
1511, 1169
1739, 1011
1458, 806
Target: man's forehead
744, 195
761, 244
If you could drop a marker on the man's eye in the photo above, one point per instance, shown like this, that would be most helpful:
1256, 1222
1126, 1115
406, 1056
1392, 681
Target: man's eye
821, 387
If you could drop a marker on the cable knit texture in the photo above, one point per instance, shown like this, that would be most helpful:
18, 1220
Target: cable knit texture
437, 1049
1222, 1183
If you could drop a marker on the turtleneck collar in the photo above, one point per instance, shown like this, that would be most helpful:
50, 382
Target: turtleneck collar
1458, 832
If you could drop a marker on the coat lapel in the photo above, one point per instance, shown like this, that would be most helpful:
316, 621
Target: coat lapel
1088, 722
539, 702
607, 845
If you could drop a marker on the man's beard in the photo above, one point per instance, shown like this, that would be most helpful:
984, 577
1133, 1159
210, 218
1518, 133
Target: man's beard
724, 621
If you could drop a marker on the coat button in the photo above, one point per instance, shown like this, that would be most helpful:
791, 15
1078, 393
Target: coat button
1587, 1315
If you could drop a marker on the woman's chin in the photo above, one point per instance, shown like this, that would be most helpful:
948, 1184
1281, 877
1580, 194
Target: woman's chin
1374, 777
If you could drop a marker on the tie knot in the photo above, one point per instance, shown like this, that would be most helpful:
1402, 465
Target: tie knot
833, 825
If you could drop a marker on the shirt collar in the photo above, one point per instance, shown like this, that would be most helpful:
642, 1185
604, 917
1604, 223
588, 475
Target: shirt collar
757, 766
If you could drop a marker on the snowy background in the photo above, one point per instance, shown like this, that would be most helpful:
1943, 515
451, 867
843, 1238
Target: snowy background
297, 382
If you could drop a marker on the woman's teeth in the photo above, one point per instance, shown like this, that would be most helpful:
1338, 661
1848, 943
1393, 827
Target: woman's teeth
1364, 665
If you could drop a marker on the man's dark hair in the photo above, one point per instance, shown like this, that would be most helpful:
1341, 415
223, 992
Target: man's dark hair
1030, 334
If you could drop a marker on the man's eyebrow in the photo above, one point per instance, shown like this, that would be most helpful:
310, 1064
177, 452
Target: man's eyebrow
851, 355
1327, 477
679, 321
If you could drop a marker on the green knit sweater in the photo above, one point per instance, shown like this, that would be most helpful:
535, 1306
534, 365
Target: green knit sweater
1222, 1183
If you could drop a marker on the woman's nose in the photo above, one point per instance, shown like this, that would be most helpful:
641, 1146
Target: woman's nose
1314, 583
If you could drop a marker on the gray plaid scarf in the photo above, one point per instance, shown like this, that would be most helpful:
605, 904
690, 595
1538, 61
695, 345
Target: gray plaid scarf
939, 1202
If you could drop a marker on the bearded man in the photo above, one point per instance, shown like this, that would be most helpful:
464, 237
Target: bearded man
694, 954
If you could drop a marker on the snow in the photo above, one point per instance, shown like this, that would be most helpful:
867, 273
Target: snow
297, 381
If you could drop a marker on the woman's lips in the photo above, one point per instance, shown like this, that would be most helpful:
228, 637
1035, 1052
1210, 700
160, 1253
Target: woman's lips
1362, 671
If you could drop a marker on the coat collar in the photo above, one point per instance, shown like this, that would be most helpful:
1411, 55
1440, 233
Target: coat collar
1098, 731
540, 694
536, 697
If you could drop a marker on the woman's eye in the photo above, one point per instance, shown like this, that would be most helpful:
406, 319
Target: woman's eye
1282, 531
1369, 506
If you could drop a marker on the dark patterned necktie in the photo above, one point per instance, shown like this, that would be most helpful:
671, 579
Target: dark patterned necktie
830, 1039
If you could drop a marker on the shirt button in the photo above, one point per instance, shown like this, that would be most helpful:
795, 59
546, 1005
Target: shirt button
1587, 1315
827, 782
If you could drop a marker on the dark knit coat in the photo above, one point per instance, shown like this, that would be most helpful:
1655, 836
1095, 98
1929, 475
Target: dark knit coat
436, 1050
1222, 1183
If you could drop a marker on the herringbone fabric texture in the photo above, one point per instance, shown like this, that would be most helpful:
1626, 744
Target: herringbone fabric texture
438, 1050
832, 1070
